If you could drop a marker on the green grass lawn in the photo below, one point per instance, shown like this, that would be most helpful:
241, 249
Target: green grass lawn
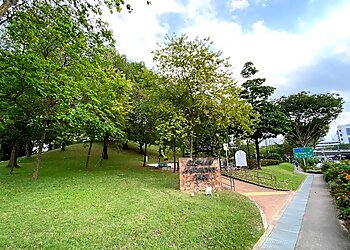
286, 178
120, 205
284, 173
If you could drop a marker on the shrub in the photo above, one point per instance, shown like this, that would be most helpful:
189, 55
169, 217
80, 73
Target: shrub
343, 203
331, 173
313, 161
270, 162
252, 164
274, 156
326, 165
338, 178
336, 187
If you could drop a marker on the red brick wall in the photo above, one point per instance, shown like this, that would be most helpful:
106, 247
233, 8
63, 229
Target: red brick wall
198, 173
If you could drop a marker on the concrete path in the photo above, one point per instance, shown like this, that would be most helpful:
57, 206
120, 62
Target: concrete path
309, 221
320, 228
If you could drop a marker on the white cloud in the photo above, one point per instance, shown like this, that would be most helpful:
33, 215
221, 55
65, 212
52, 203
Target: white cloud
277, 54
239, 4
137, 33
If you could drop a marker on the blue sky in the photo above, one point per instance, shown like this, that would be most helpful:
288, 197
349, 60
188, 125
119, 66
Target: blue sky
298, 45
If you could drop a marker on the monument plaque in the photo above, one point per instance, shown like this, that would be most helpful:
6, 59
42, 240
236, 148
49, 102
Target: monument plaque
199, 173
241, 158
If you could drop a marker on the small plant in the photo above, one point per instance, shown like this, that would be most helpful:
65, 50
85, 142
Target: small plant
343, 203
338, 178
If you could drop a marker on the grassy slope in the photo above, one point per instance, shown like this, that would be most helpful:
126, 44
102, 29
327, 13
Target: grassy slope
117, 206
286, 178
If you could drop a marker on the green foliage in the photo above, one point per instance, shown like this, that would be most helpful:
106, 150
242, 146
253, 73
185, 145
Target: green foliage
270, 162
274, 156
252, 164
198, 85
310, 116
63, 76
121, 205
272, 121
338, 178
313, 161
88, 14
146, 111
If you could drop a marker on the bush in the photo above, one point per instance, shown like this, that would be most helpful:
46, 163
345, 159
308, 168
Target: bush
343, 203
338, 178
336, 187
252, 164
270, 162
331, 174
326, 165
313, 161
274, 156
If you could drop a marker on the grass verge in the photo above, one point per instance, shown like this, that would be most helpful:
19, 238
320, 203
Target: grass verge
120, 205
285, 176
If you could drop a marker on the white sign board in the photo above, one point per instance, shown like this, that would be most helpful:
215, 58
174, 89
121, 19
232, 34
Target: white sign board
241, 158
225, 146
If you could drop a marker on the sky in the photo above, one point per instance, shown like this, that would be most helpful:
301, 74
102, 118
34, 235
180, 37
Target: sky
297, 45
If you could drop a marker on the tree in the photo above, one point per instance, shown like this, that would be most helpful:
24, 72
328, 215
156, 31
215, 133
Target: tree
63, 54
104, 101
272, 121
146, 110
310, 116
87, 13
196, 79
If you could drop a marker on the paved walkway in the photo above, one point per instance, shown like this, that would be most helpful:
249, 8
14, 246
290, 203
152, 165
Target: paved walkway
271, 202
321, 228
309, 221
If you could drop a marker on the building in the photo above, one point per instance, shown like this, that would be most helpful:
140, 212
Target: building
343, 132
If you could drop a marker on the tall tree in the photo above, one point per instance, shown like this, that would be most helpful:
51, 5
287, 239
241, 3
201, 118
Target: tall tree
62, 52
272, 121
146, 110
310, 116
195, 79
86, 12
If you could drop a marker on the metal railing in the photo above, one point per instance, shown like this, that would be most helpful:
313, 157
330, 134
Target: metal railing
231, 183
255, 176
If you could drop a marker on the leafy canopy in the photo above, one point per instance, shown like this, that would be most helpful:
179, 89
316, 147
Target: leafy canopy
310, 116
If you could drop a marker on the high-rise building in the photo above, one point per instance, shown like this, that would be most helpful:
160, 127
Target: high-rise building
343, 132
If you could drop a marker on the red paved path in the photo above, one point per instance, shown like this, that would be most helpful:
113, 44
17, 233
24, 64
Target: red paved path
270, 201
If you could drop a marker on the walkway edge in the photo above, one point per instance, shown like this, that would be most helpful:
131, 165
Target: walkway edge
268, 231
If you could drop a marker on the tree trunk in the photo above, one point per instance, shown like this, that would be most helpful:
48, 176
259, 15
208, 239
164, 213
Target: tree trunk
141, 150
1, 151
105, 148
5, 6
88, 156
29, 148
248, 149
145, 155
191, 145
174, 149
257, 152
13, 157
126, 146
38, 156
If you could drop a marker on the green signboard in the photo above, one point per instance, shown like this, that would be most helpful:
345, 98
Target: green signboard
303, 152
